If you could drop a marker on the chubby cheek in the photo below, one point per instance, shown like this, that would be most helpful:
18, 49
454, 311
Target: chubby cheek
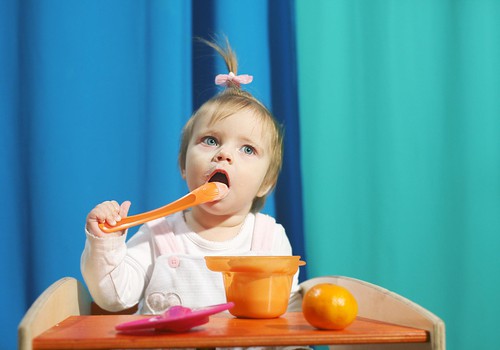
189, 173
194, 172
253, 182
191, 182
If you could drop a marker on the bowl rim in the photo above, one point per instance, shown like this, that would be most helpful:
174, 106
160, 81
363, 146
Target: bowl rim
241, 266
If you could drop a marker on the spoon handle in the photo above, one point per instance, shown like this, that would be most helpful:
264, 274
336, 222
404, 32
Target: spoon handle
209, 192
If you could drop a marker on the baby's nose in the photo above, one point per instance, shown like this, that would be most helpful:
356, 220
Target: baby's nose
223, 155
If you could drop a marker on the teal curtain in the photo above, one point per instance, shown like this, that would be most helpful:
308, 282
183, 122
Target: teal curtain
400, 128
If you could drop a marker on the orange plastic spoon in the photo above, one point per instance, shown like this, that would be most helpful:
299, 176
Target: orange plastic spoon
209, 192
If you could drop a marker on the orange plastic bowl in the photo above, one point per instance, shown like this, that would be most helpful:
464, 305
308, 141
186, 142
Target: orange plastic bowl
259, 286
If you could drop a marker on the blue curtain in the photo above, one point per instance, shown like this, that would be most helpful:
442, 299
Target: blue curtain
93, 97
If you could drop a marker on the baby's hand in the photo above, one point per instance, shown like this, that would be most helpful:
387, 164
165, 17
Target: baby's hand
110, 212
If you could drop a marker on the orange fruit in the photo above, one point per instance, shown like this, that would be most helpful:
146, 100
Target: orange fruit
329, 306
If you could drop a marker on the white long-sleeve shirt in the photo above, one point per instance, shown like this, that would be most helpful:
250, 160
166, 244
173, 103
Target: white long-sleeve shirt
163, 263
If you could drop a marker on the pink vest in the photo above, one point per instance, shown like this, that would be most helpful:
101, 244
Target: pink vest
182, 279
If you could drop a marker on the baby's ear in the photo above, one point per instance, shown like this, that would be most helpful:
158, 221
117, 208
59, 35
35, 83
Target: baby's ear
183, 173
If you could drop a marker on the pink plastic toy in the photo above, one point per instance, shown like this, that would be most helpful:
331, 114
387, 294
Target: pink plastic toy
175, 319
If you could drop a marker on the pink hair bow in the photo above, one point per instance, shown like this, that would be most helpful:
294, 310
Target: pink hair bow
226, 79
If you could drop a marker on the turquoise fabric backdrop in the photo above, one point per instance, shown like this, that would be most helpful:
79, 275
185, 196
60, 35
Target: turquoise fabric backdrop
400, 128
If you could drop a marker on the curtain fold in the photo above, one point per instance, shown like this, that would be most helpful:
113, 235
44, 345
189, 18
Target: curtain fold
281, 18
13, 262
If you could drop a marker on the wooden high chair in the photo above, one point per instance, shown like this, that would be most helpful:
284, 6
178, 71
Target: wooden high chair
379, 304
65, 297
69, 297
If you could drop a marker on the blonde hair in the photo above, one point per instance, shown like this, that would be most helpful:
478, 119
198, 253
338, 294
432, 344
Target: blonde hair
228, 102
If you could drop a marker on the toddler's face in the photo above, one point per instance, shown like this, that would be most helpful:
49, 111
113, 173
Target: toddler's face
235, 151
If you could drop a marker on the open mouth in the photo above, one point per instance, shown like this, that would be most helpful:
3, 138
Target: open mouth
219, 176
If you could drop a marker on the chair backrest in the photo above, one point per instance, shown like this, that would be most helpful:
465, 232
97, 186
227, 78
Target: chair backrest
65, 297
380, 304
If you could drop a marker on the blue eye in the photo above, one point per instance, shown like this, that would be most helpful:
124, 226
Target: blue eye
248, 150
210, 141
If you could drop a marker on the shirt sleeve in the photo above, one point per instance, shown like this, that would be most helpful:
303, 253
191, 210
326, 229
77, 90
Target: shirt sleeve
117, 272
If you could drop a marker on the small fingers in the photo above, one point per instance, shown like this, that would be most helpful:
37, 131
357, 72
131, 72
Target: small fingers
108, 211
124, 208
